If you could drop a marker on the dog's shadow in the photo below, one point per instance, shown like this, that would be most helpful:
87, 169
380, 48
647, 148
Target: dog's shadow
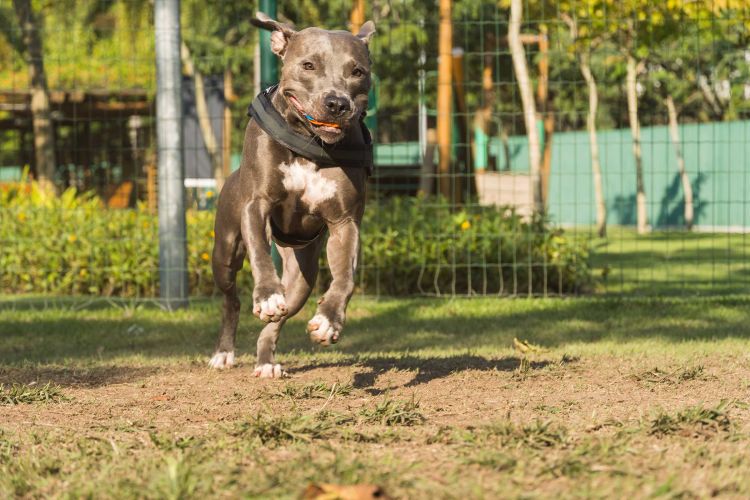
427, 369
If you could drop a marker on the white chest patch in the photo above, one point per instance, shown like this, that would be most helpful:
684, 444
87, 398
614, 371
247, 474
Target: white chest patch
301, 177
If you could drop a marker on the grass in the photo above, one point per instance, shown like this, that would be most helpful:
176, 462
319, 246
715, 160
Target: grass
392, 412
696, 418
425, 397
670, 262
313, 390
17, 394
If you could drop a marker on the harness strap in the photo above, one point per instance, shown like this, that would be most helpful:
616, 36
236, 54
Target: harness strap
312, 148
286, 240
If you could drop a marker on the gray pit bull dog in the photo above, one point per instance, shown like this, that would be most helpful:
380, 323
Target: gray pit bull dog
282, 196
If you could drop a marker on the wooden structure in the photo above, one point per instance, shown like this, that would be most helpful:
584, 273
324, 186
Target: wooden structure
102, 138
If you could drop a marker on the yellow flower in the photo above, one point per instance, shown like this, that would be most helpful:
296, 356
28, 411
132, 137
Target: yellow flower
209, 194
465, 225
72, 238
22, 216
205, 256
212, 234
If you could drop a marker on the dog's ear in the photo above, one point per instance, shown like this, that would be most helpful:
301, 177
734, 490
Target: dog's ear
366, 32
280, 35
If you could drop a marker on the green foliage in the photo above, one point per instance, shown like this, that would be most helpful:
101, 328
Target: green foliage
419, 245
71, 245
87, 45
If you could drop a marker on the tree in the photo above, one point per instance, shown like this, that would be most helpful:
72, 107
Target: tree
633, 69
596, 171
218, 39
673, 78
44, 136
204, 119
527, 99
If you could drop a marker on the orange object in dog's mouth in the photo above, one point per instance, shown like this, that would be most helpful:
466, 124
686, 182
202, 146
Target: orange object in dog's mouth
327, 126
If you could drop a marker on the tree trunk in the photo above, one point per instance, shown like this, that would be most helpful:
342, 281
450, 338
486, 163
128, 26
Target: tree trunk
687, 189
596, 169
44, 134
204, 118
635, 130
527, 99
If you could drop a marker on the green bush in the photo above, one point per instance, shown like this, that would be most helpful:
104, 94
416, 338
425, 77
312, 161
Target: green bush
415, 245
71, 244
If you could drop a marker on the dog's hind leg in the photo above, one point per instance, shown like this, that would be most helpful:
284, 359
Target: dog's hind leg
300, 272
228, 256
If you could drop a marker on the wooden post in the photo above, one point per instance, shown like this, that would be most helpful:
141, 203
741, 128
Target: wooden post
229, 98
483, 117
151, 186
445, 96
462, 114
546, 114
358, 16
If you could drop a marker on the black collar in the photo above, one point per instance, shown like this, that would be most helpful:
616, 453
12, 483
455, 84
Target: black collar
312, 148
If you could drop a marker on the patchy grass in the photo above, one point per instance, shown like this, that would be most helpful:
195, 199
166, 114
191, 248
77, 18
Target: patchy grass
279, 428
426, 398
680, 374
18, 394
393, 412
313, 390
693, 419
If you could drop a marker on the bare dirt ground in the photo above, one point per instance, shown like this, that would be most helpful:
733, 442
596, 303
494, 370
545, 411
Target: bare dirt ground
559, 425
425, 398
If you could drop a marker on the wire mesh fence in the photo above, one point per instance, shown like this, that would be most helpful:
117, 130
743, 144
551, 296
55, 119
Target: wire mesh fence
593, 147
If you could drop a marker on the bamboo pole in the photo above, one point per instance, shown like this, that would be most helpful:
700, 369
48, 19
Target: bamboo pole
445, 96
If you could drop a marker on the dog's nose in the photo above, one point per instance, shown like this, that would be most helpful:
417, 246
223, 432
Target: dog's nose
337, 105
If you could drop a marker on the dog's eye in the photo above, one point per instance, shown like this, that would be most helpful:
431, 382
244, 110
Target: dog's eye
357, 72
308, 66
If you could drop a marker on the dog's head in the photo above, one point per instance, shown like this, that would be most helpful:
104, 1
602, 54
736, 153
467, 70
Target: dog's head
325, 74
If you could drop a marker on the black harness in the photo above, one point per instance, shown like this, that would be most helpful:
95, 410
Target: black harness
312, 148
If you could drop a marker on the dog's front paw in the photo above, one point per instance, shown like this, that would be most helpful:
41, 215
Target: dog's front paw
271, 308
222, 360
269, 370
322, 330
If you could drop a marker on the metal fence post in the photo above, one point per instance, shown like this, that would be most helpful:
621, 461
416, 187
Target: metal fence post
269, 65
173, 277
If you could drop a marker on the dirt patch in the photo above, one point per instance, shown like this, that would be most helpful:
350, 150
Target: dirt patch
476, 424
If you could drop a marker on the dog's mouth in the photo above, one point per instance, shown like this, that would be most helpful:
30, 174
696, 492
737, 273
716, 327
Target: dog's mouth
331, 129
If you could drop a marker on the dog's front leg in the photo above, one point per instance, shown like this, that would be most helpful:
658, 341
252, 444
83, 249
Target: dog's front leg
342, 250
268, 294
